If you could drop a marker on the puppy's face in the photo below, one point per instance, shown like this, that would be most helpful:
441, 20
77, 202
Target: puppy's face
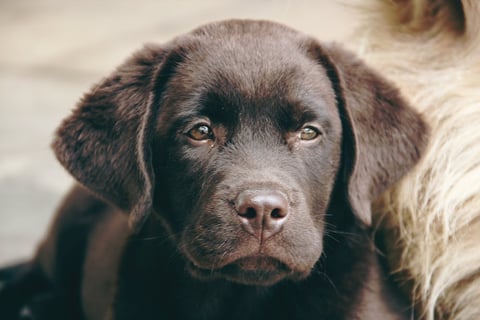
234, 135
249, 141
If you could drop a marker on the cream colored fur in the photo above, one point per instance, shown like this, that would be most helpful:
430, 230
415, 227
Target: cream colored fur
431, 219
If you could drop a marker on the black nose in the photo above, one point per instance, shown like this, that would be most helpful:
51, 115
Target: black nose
262, 212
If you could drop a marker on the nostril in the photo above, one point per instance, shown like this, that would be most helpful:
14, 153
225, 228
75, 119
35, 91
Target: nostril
250, 213
277, 214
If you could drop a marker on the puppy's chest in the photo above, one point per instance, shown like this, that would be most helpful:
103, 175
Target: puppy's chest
179, 300
153, 284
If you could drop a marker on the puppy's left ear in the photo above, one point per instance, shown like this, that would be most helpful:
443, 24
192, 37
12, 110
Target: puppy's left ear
106, 142
384, 137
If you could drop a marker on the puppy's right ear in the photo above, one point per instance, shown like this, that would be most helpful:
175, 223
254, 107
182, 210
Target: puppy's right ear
384, 137
105, 143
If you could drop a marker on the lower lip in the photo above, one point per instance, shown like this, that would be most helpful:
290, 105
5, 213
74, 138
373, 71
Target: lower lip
259, 263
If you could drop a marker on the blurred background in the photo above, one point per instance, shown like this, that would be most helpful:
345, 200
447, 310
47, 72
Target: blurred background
52, 51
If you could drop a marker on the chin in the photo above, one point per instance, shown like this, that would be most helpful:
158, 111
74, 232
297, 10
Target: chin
252, 271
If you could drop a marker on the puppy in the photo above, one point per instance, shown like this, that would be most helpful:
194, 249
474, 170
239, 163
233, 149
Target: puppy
227, 174
431, 220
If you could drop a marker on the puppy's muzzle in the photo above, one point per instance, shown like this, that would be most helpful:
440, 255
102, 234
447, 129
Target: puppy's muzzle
262, 212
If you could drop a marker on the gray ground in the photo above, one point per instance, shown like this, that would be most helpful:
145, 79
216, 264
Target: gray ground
51, 51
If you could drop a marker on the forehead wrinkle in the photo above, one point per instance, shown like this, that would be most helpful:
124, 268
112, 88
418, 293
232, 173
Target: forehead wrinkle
249, 70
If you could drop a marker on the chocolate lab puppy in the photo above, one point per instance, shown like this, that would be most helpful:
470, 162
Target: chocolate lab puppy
227, 174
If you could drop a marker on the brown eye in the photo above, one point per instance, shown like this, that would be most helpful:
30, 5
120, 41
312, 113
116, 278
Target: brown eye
201, 132
309, 133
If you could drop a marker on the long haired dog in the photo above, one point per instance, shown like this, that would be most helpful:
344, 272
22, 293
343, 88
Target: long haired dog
431, 49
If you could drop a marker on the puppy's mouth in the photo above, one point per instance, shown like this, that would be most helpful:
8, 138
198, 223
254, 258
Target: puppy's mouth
259, 263
251, 270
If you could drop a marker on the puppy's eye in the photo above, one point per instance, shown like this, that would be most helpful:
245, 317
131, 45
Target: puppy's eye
308, 133
201, 132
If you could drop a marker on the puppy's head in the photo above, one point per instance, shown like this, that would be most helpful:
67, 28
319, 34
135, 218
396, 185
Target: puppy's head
240, 136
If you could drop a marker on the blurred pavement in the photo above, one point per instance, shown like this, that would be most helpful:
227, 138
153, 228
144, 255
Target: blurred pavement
52, 51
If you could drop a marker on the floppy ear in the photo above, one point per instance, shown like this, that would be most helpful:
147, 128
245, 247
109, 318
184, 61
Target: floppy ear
105, 142
384, 136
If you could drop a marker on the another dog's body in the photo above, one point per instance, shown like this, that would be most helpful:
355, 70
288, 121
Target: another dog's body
240, 162
431, 49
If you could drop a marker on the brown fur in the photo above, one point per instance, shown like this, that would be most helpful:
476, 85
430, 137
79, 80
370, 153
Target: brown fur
192, 251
